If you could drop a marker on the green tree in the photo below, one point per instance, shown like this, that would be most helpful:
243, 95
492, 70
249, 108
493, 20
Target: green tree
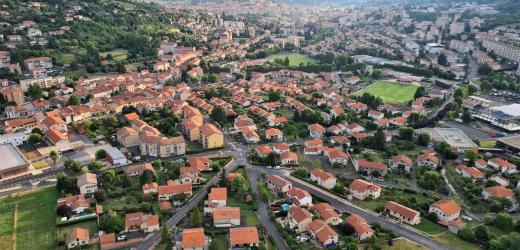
420, 92
274, 96
73, 165
166, 236
424, 139
111, 223
35, 91
406, 133
377, 73
504, 221
35, 138
55, 156
471, 155
95, 165
505, 242
147, 177
219, 115
196, 219
484, 69
442, 60
101, 154
466, 234
74, 100
482, 233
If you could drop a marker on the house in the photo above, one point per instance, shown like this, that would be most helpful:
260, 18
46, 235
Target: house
480, 164
78, 237
226, 216
335, 112
360, 226
194, 239
230, 177
470, 172
338, 157
281, 148
502, 165
171, 189
263, 150
211, 136
299, 218
354, 128
115, 156
323, 233
87, 183
289, 158
274, 134
217, 197
328, 213
279, 184
189, 177
446, 210
128, 137
502, 181
498, 192
131, 116
201, 163
77, 203
244, 237
150, 188
370, 167
300, 197
428, 160
375, 115
138, 221
401, 163
250, 135
361, 189
404, 214
339, 140
316, 130
455, 226
138, 169
323, 178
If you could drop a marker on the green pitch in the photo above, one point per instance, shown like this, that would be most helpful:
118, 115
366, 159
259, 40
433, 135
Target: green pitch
391, 92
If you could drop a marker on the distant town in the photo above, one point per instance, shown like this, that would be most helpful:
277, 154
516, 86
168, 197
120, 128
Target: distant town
259, 125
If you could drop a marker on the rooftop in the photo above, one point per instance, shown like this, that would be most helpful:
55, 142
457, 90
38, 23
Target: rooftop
13, 157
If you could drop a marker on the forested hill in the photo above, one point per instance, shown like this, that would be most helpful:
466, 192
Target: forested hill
91, 28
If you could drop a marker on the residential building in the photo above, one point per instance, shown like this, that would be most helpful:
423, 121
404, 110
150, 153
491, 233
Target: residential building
13, 94
328, 213
274, 134
87, 183
361, 189
404, 214
171, 189
470, 172
401, 163
446, 210
194, 239
138, 169
300, 197
289, 158
323, 233
299, 218
498, 192
217, 197
362, 229
316, 130
278, 184
502, 165
323, 178
428, 160
226, 217
138, 221
211, 136
77, 238
370, 167
244, 237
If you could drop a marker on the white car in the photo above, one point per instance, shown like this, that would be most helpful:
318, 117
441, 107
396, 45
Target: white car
269, 166
277, 167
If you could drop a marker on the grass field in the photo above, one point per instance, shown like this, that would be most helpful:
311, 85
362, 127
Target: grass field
488, 143
391, 92
295, 59
220, 241
430, 227
402, 244
117, 54
35, 226
455, 242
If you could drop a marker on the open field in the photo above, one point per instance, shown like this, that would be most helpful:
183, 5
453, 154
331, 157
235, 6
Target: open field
402, 244
295, 59
117, 54
487, 144
391, 92
455, 242
430, 227
34, 227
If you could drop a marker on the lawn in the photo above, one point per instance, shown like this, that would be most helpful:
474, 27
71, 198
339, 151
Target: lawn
452, 240
295, 59
402, 244
487, 144
117, 54
35, 226
91, 225
220, 241
429, 227
251, 218
391, 92
371, 204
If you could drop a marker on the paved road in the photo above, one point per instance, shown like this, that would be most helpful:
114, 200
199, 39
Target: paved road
154, 238
254, 175
345, 206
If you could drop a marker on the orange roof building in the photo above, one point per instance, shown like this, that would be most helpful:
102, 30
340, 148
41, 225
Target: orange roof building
446, 210
194, 238
243, 237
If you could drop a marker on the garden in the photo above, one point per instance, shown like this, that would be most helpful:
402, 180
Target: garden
391, 92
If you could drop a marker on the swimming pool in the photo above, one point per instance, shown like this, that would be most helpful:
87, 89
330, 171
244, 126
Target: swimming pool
286, 207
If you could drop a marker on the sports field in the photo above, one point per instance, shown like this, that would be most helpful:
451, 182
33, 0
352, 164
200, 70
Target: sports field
28, 221
391, 92
295, 59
